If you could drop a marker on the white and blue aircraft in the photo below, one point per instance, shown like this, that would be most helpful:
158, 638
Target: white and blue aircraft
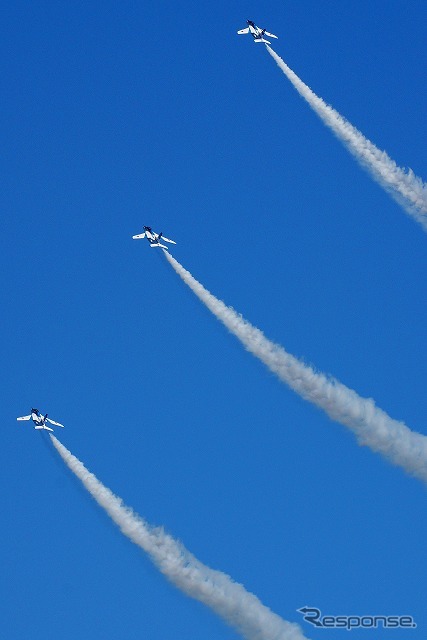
40, 421
153, 238
256, 32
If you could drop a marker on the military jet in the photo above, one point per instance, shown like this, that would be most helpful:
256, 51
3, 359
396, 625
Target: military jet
256, 32
40, 421
153, 238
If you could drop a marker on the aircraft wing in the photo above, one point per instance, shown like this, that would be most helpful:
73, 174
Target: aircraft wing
271, 35
25, 417
140, 235
167, 240
57, 424
243, 31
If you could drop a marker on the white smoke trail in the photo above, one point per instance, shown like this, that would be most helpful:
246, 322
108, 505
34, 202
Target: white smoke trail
230, 600
372, 426
405, 187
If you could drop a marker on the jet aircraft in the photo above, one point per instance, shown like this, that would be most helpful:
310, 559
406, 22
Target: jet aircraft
256, 32
40, 421
153, 238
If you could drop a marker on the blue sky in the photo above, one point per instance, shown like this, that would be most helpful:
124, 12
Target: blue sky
121, 115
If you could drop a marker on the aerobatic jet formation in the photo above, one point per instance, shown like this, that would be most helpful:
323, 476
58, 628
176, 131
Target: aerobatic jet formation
40, 420
153, 238
256, 32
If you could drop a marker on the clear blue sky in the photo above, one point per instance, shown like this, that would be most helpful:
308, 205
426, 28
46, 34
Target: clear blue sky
116, 115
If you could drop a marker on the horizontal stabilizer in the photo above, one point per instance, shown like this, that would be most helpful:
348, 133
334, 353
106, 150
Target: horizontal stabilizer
163, 246
44, 428
262, 40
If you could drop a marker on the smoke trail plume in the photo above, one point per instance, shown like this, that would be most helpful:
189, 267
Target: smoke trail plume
230, 600
405, 187
372, 426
